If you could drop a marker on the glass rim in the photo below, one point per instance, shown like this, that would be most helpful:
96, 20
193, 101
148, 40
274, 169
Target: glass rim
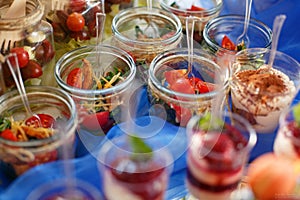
145, 11
197, 53
205, 12
235, 18
251, 142
91, 49
283, 122
64, 97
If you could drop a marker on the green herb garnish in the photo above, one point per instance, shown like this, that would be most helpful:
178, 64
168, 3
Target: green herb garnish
208, 123
296, 114
4, 124
141, 151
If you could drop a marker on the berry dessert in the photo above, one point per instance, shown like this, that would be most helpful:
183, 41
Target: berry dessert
137, 175
39, 127
287, 141
216, 158
260, 95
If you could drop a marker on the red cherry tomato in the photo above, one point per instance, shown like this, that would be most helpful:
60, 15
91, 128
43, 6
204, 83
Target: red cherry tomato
195, 8
32, 70
182, 85
95, 121
74, 78
22, 56
228, 44
8, 135
172, 75
44, 120
75, 22
201, 86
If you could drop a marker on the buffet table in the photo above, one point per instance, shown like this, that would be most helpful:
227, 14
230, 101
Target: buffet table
85, 163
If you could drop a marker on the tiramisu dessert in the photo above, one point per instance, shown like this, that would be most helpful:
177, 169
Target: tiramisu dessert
216, 157
261, 95
287, 141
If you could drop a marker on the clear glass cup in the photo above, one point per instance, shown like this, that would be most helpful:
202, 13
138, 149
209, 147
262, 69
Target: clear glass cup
131, 174
260, 94
177, 99
201, 10
23, 142
60, 189
31, 38
144, 33
287, 140
99, 79
232, 26
218, 152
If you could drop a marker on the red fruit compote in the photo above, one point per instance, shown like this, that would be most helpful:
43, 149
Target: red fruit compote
132, 173
217, 153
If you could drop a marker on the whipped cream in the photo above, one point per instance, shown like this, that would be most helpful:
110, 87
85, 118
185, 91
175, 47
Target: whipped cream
261, 95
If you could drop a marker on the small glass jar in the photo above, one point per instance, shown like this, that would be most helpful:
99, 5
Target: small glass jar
144, 33
201, 10
75, 23
25, 141
177, 94
32, 38
99, 80
232, 26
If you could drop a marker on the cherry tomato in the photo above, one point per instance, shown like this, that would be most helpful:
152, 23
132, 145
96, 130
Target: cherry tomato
75, 22
22, 56
44, 52
44, 120
195, 8
75, 78
182, 85
32, 70
228, 44
8, 135
95, 121
201, 86
77, 5
172, 75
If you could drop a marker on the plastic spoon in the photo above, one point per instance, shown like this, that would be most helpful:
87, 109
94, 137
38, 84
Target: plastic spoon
17, 9
190, 40
277, 25
244, 36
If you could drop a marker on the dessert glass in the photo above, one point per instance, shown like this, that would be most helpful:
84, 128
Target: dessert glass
30, 145
99, 79
177, 106
32, 38
202, 11
218, 151
129, 174
144, 33
260, 94
287, 141
232, 26
65, 189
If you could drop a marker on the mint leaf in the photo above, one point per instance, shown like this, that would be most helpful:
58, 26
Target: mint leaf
141, 150
296, 113
208, 123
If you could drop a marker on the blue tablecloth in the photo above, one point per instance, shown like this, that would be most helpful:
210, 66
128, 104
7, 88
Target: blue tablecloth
86, 164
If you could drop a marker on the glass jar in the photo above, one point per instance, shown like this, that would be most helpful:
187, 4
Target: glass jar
31, 39
144, 33
176, 94
49, 135
201, 10
75, 23
232, 26
100, 88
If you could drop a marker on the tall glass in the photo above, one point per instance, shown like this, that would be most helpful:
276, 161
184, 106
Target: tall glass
218, 151
144, 33
175, 93
260, 93
26, 141
131, 174
232, 26
287, 141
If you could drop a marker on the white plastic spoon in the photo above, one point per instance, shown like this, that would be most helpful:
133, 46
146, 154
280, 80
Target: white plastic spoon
244, 36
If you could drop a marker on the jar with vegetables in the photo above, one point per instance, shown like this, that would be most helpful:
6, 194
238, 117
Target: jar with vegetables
31, 40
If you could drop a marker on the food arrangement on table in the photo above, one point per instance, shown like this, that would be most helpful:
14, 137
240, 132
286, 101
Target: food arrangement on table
203, 113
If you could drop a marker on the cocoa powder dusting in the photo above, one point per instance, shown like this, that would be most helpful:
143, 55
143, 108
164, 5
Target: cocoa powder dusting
262, 80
